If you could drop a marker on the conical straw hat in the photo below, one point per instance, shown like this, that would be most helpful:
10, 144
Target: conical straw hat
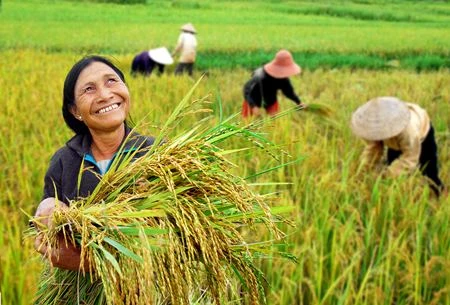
161, 56
380, 118
188, 27
282, 66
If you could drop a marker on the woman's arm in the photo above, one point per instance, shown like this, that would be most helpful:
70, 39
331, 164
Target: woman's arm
178, 46
372, 154
410, 146
288, 91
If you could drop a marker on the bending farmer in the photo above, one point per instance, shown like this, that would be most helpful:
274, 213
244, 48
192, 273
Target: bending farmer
405, 129
261, 90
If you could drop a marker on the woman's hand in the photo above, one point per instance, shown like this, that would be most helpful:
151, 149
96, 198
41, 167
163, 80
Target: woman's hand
45, 210
65, 254
302, 106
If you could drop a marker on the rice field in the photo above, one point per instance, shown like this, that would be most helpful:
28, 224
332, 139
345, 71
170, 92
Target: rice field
359, 239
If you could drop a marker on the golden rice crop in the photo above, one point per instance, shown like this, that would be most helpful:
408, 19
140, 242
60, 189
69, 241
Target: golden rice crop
165, 224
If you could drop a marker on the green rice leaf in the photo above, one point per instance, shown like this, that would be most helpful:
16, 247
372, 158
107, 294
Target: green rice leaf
125, 251
273, 168
143, 213
110, 259
239, 275
133, 231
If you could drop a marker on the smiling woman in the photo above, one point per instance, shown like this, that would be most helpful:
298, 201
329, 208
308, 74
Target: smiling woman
102, 103
95, 106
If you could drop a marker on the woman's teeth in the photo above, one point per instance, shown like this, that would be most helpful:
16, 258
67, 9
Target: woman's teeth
109, 108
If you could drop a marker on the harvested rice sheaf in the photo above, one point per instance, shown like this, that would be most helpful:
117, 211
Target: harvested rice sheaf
166, 227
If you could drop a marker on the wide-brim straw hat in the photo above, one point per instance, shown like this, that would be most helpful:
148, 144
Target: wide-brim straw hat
282, 65
161, 56
380, 118
188, 27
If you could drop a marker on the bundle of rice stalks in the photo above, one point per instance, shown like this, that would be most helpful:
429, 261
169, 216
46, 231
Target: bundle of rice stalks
163, 225
320, 109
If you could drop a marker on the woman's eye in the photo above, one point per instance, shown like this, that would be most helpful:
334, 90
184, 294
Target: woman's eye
88, 89
112, 80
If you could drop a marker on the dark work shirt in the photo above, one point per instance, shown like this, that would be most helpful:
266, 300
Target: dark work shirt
61, 179
261, 90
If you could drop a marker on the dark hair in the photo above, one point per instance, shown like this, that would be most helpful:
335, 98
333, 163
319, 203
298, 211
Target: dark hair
69, 90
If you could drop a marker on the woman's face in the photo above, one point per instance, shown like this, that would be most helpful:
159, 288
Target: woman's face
102, 99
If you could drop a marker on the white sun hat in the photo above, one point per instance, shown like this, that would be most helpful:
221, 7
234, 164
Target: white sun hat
380, 118
188, 27
161, 56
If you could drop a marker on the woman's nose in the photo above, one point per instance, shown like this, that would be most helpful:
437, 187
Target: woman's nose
104, 93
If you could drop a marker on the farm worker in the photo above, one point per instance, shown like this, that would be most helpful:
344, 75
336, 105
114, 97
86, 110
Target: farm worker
261, 90
95, 106
146, 61
406, 130
186, 46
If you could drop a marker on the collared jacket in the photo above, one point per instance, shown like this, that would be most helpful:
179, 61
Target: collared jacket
186, 45
63, 175
261, 90
408, 142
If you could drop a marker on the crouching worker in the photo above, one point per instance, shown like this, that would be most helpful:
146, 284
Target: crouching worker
145, 62
405, 129
261, 90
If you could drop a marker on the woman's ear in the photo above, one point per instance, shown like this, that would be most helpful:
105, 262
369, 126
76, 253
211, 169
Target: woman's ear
74, 111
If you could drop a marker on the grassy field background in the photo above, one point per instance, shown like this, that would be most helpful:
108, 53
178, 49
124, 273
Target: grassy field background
230, 33
359, 239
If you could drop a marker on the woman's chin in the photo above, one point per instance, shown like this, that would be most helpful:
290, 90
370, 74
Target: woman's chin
112, 125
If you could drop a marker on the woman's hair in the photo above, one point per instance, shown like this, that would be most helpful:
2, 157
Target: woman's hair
69, 90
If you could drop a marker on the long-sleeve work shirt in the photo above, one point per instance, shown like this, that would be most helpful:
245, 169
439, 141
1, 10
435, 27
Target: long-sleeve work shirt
408, 142
186, 45
261, 90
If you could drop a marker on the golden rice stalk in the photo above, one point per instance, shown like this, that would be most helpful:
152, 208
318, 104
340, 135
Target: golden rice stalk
163, 225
